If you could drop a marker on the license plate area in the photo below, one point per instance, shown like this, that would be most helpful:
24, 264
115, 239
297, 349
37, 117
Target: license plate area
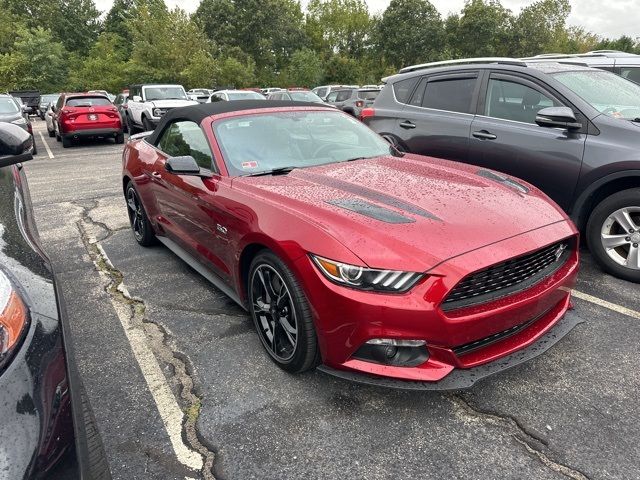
92, 116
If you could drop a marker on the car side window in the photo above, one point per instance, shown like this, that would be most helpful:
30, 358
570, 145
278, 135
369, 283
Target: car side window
403, 89
321, 92
344, 95
515, 101
418, 95
631, 73
186, 138
332, 97
452, 95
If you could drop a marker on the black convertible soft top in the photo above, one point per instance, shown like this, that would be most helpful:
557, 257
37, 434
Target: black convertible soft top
197, 113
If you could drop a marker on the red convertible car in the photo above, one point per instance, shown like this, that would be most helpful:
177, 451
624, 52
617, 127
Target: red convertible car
371, 264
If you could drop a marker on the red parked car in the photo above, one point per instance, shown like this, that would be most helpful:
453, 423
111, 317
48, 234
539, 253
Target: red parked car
82, 115
379, 266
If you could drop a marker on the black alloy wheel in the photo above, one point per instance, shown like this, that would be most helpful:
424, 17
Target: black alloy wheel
140, 225
281, 314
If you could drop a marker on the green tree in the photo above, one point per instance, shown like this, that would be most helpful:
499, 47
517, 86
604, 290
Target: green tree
104, 68
163, 44
36, 61
118, 18
541, 27
305, 69
483, 29
410, 32
339, 26
234, 73
267, 30
201, 71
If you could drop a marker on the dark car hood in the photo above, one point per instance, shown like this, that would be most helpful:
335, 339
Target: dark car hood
411, 212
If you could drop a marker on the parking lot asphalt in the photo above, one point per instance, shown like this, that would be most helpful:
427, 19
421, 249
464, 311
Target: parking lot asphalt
181, 387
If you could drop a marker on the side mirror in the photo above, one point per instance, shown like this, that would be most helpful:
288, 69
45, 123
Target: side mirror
558, 117
15, 144
185, 165
137, 98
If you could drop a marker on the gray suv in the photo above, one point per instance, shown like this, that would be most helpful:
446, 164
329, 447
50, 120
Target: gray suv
571, 130
353, 100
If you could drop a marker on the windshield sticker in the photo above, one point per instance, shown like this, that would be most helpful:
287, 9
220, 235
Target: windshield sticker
247, 165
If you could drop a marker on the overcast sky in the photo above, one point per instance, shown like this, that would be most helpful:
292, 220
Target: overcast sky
608, 19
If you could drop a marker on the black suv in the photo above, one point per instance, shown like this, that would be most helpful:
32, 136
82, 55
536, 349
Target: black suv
571, 130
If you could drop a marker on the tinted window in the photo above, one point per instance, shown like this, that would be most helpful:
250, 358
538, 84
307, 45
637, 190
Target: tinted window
453, 95
403, 89
631, 73
98, 101
321, 92
343, 95
514, 101
332, 97
368, 94
186, 138
418, 95
304, 97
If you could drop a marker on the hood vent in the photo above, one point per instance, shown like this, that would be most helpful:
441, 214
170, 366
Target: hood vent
370, 210
509, 182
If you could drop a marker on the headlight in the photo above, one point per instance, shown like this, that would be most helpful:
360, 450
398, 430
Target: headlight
13, 318
392, 281
19, 121
158, 112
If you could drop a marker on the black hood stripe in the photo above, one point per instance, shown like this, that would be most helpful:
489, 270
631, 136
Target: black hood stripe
371, 195
370, 210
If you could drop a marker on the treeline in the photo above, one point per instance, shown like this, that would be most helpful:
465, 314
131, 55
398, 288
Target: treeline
67, 44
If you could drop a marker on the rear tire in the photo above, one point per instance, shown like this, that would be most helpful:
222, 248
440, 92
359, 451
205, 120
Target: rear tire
293, 345
52, 133
603, 226
35, 148
66, 142
120, 138
138, 219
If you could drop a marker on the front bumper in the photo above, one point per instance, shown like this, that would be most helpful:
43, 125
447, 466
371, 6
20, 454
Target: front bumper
460, 379
346, 319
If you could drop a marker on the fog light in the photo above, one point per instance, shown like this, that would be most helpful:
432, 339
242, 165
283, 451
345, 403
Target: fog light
389, 351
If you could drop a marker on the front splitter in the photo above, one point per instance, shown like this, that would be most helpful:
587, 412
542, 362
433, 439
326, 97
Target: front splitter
459, 378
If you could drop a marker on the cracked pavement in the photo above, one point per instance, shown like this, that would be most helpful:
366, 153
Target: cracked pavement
571, 413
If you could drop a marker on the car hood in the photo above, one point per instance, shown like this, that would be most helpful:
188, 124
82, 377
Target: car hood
172, 103
408, 213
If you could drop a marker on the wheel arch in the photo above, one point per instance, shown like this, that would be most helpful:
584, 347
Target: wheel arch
599, 190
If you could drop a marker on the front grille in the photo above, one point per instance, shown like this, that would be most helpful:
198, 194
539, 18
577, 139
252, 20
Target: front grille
507, 277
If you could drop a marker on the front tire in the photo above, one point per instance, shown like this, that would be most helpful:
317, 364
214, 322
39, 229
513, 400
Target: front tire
148, 126
119, 138
281, 314
52, 133
140, 224
130, 126
613, 234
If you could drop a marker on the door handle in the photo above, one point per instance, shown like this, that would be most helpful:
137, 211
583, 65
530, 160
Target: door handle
484, 135
407, 124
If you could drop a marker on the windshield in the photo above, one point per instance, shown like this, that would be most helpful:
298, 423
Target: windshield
164, 93
259, 143
245, 96
305, 97
8, 105
99, 101
606, 92
44, 99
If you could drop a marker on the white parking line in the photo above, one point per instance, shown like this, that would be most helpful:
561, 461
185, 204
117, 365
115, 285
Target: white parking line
170, 412
49, 152
603, 303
